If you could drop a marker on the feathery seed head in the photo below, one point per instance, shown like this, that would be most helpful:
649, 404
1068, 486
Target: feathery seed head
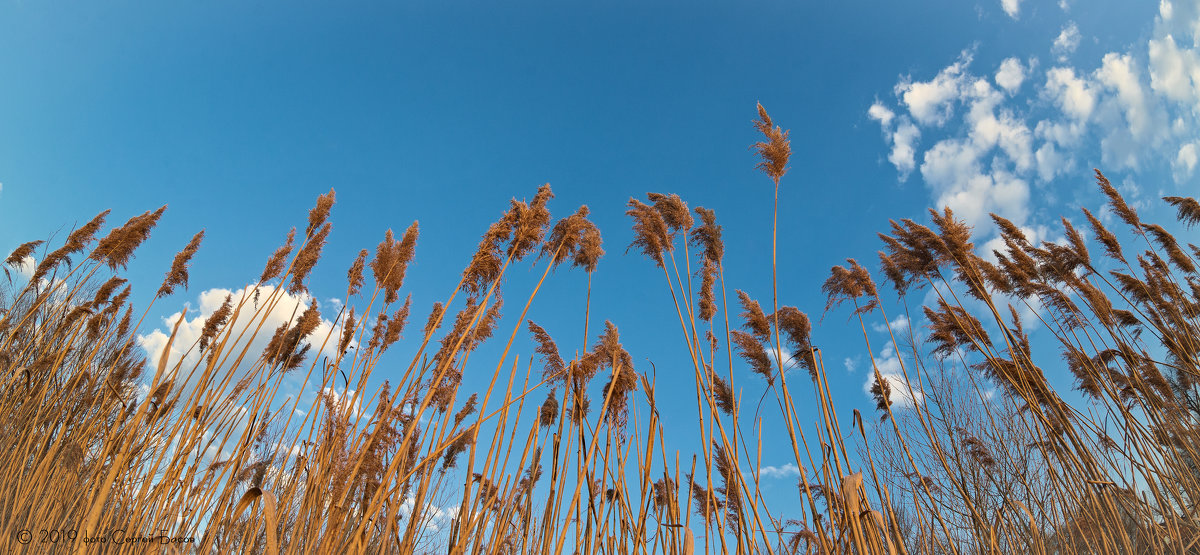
1189, 209
354, 276
117, 247
1117, 203
20, 253
178, 275
276, 262
307, 258
650, 230
80, 238
215, 321
775, 150
707, 235
554, 366
673, 210
319, 213
548, 413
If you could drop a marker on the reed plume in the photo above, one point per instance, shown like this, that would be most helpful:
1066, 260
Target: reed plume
707, 235
215, 322
1189, 209
754, 320
881, 391
775, 150
673, 210
575, 238
354, 276
275, 263
707, 298
116, 249
518, 232
395, 324
548, 412
307, 258
19, 254
178, 274
1117, 203
651, 233
723, 395
554, 368
319, 213
349, 324
79, 239
392, 259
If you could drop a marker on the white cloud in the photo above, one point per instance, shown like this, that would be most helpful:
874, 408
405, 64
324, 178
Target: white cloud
183, 349
1139, 106
1131, 123
1001, 193
983, 171
851, 363
897, 325
1010, 75
432, 517
1065, 133
1007, 131
904, 148
1119, 73
1185, 161
903, 138
789, 362
1174, 71
787, 470
931, 102
953, 170
1074, 95
881, 113
948, 162
1011, 7
1066, 42
1051, 162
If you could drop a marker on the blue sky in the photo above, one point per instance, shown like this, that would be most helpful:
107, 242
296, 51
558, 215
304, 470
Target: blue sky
237, 115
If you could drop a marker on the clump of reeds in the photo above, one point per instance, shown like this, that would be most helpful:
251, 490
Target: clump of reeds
976, 449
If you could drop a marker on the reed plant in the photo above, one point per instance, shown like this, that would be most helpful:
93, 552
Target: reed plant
983, 441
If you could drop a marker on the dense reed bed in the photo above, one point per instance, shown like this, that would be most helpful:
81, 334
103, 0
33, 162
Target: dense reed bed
971, 448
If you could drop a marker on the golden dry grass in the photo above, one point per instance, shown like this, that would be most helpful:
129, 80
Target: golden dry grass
562, 455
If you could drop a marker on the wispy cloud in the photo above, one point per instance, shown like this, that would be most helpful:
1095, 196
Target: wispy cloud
1011, 7
1066, 42
898, 325
788, 470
